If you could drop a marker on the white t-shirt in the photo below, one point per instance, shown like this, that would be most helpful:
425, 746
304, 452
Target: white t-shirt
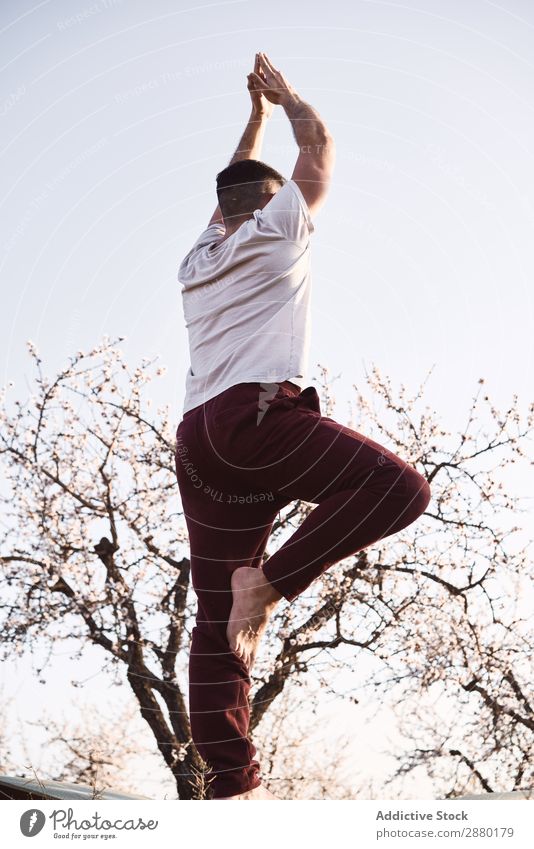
246, 300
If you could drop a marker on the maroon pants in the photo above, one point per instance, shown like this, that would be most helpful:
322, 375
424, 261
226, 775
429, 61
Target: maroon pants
240, 458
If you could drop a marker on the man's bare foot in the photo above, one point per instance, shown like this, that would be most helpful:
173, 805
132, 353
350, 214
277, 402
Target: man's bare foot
259, 793
254, 599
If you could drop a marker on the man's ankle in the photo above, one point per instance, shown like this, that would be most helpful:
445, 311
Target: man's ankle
273, 596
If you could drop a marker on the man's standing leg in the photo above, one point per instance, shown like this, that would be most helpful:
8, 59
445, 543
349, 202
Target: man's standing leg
225, 532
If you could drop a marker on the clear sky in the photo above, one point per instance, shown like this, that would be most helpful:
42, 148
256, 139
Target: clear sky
117, 114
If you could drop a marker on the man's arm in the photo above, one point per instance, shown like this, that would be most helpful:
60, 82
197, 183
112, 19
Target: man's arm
315, 163
251, 141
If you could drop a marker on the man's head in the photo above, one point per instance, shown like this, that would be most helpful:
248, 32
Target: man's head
245, 186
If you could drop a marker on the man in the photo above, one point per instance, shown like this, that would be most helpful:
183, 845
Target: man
252, 438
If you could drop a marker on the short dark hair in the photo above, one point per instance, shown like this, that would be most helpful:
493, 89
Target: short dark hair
240, 186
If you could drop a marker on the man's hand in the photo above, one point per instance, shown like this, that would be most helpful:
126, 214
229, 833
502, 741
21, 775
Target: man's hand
261, 106
315, 163
270, 82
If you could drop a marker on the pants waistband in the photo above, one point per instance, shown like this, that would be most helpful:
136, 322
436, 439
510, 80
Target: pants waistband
286, 384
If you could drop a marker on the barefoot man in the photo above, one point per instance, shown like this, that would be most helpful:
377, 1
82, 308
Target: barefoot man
253, 439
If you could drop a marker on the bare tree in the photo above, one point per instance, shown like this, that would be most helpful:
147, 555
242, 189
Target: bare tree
93, 548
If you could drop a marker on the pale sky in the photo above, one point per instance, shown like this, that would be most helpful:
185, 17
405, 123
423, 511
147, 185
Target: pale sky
117, 114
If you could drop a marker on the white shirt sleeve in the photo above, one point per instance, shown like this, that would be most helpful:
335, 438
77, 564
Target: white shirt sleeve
287, 213
211, 234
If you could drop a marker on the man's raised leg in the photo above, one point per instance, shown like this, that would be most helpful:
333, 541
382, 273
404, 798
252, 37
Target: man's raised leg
364, 493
